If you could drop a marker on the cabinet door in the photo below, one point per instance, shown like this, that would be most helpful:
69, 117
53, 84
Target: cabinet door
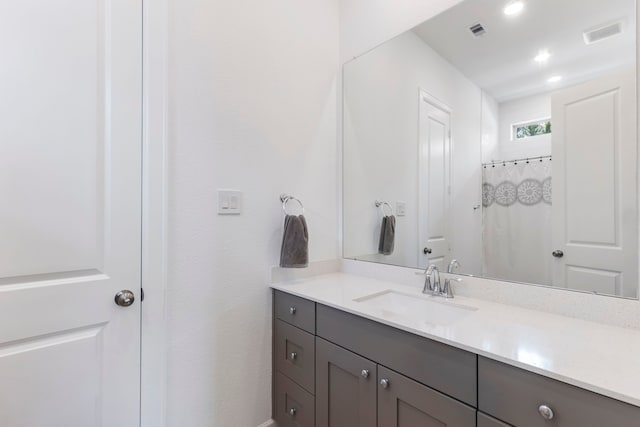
403, 402
487, 421
345, 388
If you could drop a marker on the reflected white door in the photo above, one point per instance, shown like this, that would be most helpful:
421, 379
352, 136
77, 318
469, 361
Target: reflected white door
595, 186
70, 176
434, 182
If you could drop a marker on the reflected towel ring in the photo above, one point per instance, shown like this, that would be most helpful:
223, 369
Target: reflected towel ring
285, 198
381, 205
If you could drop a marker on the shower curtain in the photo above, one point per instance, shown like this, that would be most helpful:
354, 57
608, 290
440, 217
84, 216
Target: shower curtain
516, 199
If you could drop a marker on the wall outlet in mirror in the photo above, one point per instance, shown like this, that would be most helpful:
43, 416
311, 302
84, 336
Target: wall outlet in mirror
401, 208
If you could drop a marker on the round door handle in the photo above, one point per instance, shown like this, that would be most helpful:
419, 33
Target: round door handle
558, 253
293, 356
364, 373
546, 412
427, 251
125, 298
385, 383
292, 412
292, 310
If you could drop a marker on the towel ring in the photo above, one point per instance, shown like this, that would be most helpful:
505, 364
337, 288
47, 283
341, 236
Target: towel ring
381, 205
285, 198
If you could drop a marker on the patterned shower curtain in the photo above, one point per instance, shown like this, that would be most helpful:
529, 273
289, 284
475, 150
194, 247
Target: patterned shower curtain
516, 199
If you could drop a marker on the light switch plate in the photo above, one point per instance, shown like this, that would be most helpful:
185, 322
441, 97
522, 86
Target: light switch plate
401, 208
229, 202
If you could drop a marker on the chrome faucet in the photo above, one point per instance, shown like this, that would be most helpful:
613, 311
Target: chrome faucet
432, 283
453, 265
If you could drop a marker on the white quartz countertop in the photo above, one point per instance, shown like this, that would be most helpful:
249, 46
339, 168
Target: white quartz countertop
600, 358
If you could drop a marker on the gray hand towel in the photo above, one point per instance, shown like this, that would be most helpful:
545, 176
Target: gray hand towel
387, 235
295, 242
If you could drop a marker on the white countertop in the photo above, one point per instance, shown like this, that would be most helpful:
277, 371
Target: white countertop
600, 358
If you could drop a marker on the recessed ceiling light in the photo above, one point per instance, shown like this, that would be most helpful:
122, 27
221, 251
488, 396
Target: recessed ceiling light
542, 56
513, 7
554, 79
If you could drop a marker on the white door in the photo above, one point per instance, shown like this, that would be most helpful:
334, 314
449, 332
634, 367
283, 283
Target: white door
595, 222
70, 176
434, 182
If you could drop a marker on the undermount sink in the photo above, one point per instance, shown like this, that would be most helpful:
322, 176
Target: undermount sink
415, 308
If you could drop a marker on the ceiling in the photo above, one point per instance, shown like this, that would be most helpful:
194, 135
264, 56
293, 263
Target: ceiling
501, 61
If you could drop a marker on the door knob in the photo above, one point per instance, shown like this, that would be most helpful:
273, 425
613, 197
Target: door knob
125, 298
427, 251
558, 253
364, 373
384, 383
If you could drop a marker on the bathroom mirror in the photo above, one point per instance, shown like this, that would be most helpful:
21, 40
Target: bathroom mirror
501, 134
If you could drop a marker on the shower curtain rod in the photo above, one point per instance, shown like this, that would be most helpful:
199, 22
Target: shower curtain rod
526, 159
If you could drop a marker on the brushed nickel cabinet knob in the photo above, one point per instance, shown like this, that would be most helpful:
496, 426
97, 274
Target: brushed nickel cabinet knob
546, 412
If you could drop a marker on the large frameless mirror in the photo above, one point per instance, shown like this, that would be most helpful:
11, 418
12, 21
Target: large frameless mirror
501, 135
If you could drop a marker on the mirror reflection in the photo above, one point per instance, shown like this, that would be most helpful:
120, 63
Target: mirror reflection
499, 139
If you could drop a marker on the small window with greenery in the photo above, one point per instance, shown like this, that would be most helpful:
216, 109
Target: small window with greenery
529, 129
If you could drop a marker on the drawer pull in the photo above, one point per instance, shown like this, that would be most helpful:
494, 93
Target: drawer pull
293, 355
292, 412
292, 311
364, 373
546, 412
385, 383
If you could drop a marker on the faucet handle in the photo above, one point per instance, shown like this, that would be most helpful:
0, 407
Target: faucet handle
431, 283
447, 290
428, 285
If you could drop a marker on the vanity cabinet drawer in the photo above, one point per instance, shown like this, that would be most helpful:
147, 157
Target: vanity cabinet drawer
518, 397
295, 407
439, 366
295, 354
296, 311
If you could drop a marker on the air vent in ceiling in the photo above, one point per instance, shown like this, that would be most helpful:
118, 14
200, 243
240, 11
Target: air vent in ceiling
477, 30
597, 34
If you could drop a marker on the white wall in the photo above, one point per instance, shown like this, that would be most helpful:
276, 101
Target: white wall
381, 148
521, 110
252, 106
365, 24
490, 128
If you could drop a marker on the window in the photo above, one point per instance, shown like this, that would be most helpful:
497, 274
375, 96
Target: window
525, 130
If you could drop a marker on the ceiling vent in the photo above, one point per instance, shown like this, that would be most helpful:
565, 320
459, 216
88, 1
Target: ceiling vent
477, 30
597, 34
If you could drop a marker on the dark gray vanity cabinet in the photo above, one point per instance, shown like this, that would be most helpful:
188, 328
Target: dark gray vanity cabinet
485, 420
294, 355
345, 387
403, 402
346, 395
444, 368
335, 369
525, 399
